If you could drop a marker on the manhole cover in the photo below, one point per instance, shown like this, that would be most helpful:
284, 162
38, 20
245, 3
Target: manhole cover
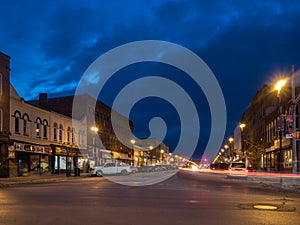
265, 207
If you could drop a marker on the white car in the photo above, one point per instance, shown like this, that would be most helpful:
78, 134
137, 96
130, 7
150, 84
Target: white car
237, 169
110, 169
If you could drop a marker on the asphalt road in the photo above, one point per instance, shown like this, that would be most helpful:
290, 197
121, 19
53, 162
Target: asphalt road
87, 201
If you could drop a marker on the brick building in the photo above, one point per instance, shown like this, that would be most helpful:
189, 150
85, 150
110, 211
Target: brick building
40, 136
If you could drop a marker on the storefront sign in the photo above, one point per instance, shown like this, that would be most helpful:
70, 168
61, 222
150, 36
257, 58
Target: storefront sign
29, 148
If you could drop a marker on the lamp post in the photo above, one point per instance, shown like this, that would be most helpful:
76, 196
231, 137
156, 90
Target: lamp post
294, 140
162, 154
278, 87
231, 147
227, 150
95, 130
242, 126
132, 141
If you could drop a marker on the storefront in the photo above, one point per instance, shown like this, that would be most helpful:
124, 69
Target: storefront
66, 159
30, 159
276, 160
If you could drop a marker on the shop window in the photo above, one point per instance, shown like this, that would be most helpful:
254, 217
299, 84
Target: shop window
55, 131
288, 159
25, 124
38, 127
68, 134
60, 132
45, 130
17, 116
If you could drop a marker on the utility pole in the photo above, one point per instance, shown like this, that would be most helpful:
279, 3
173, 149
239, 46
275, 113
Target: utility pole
294, 140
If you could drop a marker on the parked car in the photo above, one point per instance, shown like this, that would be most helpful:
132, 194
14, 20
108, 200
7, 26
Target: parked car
238, 169
110, 169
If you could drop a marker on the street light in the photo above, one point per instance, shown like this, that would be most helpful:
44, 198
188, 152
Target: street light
278, 87
95, 130
162, 153
132, 141
226, 148
242, 126
231, 147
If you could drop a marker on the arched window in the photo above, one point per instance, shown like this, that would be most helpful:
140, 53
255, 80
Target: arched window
68, 134
25, 124
72, 135
1, 119
55, 131
45, 130
1, 83
38, 127
17, 116
60, 132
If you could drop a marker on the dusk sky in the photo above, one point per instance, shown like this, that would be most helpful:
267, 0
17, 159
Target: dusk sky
246, 44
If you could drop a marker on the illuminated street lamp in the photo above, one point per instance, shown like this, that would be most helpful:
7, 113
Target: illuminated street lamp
231, 146
95, 130
242, 126
278, 86
132, 141
162, 153
226, 148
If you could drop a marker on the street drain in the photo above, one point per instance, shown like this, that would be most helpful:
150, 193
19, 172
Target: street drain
265, 207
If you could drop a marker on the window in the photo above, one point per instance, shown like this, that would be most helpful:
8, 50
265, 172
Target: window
68, 134
25, 124
38, 127
55, 131
72, 135
1, 83
1, 119
60, 132
288, 158
45, 130
17, 116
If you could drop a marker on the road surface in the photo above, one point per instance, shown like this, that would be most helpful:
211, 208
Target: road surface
95, 200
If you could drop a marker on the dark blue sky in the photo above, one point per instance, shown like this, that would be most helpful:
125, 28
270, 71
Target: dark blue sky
245, 44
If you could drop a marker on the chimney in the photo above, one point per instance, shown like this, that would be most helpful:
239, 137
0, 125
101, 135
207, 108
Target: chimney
43, 99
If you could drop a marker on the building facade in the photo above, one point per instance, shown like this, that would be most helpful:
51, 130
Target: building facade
40, 136
266, 137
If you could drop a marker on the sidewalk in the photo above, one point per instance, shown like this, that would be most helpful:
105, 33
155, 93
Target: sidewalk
285, 181
39, 179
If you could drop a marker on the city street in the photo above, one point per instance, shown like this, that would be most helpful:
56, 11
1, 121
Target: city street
213, 199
